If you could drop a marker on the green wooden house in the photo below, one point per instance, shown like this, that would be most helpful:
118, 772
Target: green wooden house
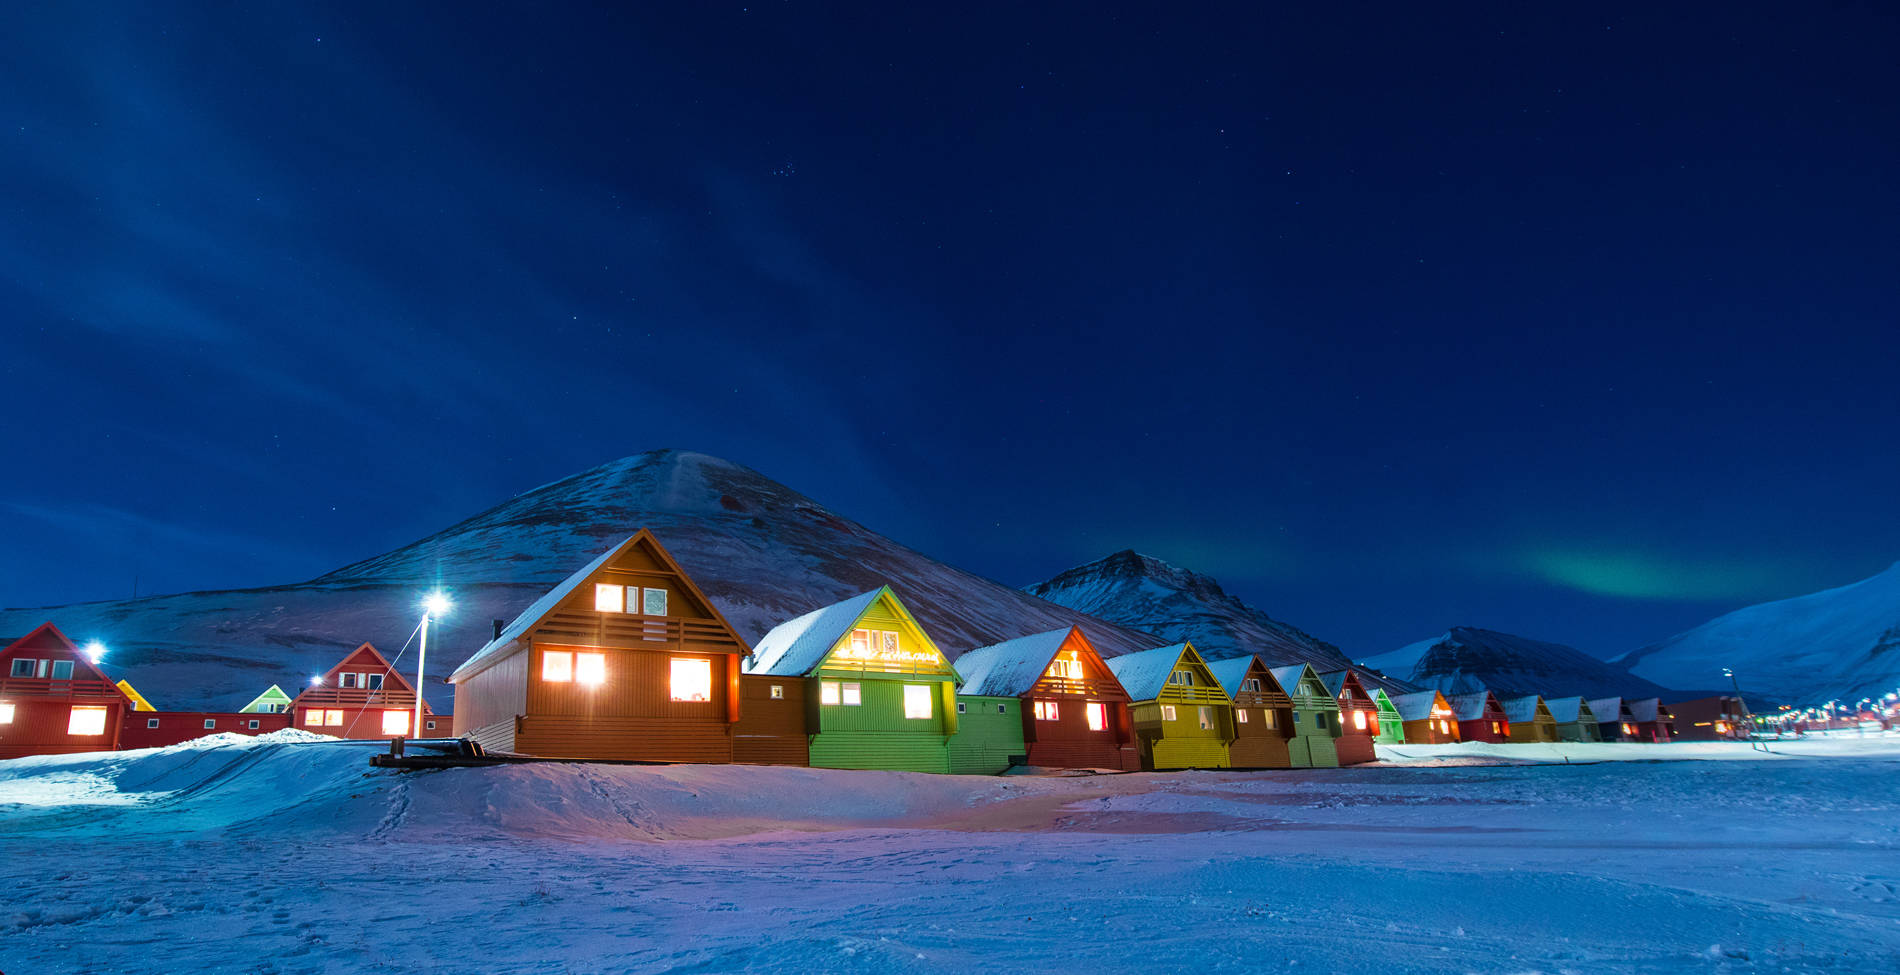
879, 694
1182, 717
272, 701
989, 736
1315, 718
1391, 723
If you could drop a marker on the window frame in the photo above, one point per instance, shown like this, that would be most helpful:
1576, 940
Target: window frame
65, 665
74, 728
408, 722
1096, 712
585, 661
1168, 713
606, 593
16, 670
562, 674
919, 693
697, 666
151, 723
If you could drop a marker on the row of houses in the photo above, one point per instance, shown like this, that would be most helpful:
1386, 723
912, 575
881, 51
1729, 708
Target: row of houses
627, 660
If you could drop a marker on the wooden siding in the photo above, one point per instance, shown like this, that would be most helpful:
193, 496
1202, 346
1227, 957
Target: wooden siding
181, 726
771, 731
494, 697
1067, 742
1426, 731
875, 734
1256, 744
497, 737
989, 736
39, 726
1182, 742
879, 750
598, 738
1540, 731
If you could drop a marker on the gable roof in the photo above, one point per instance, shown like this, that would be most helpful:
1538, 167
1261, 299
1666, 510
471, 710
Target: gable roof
81, 662
1649, 709
1471, 707
797, 647
1522, 708
1418, 706
1290, 677
1144, 674
1568, 710
517, 628
139, 703
271, 693
1012, 667
1231, 671
1608, 710
1382, 701
1335, 681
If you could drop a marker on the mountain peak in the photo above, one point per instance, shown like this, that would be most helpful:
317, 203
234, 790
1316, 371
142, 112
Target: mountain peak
1468, 658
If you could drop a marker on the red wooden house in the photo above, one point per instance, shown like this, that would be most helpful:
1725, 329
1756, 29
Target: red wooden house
55, 700
1654, 722
1480, 717
1074, 711
625, 660
1358, 717
156, 729
362, 697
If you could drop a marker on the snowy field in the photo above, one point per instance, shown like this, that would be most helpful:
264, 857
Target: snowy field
279, 855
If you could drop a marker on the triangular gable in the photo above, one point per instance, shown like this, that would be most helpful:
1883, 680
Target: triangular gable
1345, 683
271, 695
1524, 709
47, 638
1610, 710
819, 639
1291, 678
139, 703
1649, 709
1475, 706
364, 659
524, 623
1423, 706
1384, 703
1014, 668
1233, 671
1145, 675
1569, 710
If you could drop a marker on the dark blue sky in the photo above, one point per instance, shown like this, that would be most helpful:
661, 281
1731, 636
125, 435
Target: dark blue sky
1571, 322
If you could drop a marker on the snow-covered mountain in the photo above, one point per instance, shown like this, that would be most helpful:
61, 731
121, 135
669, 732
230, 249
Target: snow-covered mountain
761, 551
1150, 595
1469, 659
1841, 643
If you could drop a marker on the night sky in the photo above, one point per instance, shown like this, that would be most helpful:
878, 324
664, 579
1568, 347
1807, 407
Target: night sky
1575, 323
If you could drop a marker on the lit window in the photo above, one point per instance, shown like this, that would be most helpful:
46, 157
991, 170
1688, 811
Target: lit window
1497, 729
590, 668
861, 643
1240, 715
828, 692
313, 717
1046, 711
1207, 718
1167, 712
22, 668
346, 680
6, 714
917, 701
653, 602
1067, 667
609, 599
692, 680
333, 718
86, 721
210, 723
373, 681
1098, 715
778, 692
252, 724
557, 666
151, 722
1272, 721
62, 670
396, 723
1359, 720
853, 695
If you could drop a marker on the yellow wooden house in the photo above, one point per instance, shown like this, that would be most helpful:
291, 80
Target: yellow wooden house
1182, 718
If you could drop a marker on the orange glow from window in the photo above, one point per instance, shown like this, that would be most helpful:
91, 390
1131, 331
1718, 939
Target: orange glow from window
590, 668
86, 721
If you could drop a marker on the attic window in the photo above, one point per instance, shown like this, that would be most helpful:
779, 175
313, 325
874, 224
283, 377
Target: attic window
373, 681
23, 667
1067, 666
653, 602
609, 599
1098, 715
86, 721
62, 670
1182, 678
1251, 684
346, 680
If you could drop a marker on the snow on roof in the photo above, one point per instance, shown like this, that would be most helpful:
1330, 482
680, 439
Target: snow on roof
1567, 710
1289, 677
1607, 709
796, 647
1648, 709
1416, 707
1144, 674
1470, 707
1521, 708
1009, 668
1230, 672
537, 609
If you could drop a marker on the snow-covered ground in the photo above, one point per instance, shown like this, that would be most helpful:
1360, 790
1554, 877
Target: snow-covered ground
279, 854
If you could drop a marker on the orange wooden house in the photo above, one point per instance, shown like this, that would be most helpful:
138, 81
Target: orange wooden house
1358, 717
54, 699
1263, 713
362, 697
625, 660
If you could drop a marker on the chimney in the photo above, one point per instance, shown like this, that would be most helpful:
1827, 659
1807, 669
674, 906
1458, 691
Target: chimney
498, 625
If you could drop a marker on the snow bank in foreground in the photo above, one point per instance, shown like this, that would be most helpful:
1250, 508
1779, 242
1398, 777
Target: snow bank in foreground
1485, 753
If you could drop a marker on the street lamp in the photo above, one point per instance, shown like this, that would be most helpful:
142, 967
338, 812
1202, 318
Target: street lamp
95, 652
434, 605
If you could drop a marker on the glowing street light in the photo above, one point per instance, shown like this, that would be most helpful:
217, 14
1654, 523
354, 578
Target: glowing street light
435, 604
95, 652
316, 680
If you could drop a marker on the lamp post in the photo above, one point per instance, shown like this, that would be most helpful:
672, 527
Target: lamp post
95, 652
433, 605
